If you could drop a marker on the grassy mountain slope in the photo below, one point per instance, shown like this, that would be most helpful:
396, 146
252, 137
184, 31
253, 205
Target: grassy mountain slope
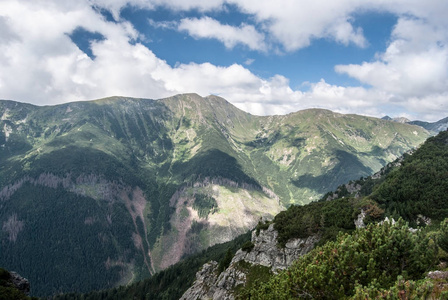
150, 181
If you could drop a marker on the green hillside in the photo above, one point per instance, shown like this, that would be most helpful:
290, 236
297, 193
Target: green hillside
110, 191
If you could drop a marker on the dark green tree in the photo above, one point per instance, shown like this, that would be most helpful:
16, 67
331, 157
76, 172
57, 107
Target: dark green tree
225, 262
442, 239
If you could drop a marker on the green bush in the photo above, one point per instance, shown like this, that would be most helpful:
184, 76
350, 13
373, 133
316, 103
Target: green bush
262, 226
205, 205
402, 289
7, 290
248, 246
419, 186
327, 218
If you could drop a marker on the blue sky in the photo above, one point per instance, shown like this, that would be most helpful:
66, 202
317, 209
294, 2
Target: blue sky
266, 57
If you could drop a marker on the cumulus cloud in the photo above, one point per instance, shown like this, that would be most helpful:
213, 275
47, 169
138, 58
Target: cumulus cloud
290, 24
294, 25
115, 6
230, 36
414, 64
413, 69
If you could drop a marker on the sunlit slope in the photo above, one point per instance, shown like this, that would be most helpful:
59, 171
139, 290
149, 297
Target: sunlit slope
304, 154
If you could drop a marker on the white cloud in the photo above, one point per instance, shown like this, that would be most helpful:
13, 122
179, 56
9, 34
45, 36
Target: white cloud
249, 61
164, 24
295, 24
115, 6
230, 36
414, 64
413, 69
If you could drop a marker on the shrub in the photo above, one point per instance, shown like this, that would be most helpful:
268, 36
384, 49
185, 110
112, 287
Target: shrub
247, 246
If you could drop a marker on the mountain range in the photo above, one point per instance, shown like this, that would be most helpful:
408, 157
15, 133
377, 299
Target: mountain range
433, 127
110, 191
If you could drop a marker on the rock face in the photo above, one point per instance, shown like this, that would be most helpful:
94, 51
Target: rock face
22, 284
266, 252
205, 278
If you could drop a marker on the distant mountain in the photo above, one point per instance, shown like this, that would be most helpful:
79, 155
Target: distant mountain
398, 120
434, 127
109, 191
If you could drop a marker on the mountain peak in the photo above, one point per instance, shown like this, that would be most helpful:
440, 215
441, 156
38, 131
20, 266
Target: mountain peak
396, 119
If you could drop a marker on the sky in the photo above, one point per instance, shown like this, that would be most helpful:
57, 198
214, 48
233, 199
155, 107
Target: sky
368, 57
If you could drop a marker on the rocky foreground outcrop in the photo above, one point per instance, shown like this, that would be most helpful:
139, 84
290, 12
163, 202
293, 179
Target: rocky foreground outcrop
266, 252
10, 283
22, 284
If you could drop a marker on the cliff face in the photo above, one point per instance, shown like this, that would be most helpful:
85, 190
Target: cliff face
266, 255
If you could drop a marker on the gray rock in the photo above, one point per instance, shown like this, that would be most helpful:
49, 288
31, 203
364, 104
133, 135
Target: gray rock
205, 279
437, 275
22, 284
359, 222
266, 252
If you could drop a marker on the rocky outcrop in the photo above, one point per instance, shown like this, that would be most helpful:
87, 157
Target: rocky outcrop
205, 279
22, 284
437, 275
266, 252
10, 283
359, 222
